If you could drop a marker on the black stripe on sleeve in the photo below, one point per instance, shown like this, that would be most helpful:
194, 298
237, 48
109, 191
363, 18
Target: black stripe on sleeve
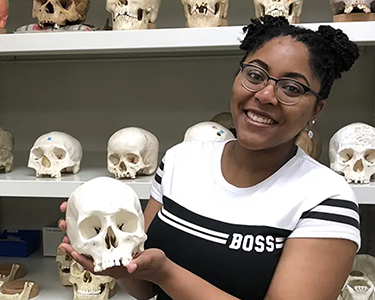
331, 217
341, 203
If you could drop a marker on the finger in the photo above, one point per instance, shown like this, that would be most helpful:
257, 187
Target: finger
63, 206
66, 240
83, 261
62, 224
132, 267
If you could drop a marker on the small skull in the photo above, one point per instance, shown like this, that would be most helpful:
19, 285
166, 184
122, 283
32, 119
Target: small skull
133, 14
208, 131
207, 13
86, 285
105, 221
352, 6
352, 152
64, 261
58, 13
132, 151
54, 153
290, 9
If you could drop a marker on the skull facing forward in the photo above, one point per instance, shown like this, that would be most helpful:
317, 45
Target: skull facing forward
352, 6
105, 221
352, 152
58, 13
290, 9
133, 14
208, 13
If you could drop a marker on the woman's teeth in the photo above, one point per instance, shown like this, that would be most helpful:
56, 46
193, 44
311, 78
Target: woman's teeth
259, 119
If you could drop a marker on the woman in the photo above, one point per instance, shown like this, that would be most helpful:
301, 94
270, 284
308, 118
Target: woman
254, 218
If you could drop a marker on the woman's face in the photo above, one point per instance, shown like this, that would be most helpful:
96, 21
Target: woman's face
280, 57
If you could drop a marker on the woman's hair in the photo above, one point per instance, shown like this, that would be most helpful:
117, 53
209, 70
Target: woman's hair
331, 51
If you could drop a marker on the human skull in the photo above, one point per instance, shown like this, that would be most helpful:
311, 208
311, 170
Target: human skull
24, 289
105, 221
60, 12
86, 285
290, 9
208, 131
132, 151
225, 119
352, 152
360, 282
54, 153
206, 13
64, 262
349, 6
133, 14
6, 150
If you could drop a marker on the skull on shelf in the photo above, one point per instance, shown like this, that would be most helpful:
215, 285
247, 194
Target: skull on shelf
208, 131
225, 119
351, 6
208, 13
64, 261
60, 12
132, 151
54, 153
105, 221
86, 285
133, 14
6, 150
290, 9
360, 282
352, 152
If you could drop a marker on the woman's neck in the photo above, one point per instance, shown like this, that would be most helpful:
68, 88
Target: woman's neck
245, 168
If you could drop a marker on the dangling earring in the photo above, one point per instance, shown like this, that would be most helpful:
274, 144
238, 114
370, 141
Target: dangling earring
310, 134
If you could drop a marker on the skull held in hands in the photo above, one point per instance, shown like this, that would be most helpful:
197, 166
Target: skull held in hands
105, 222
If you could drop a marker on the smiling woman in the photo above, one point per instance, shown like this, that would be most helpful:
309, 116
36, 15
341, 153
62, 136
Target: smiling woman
255, 217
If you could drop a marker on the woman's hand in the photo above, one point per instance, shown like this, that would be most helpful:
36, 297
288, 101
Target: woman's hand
150, 265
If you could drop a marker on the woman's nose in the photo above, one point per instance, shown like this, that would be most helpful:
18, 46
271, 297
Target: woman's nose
267, 95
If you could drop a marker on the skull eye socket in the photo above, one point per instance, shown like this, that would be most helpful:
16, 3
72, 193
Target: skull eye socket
124, 2
132, 158
114, 159
126, 221
370, 156
66, 3
291, 9
38, 153
346, 155
42, 2
90, 227
59, 153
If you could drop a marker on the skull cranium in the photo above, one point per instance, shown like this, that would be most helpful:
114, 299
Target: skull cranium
207, 13
105, 221
352, 152
349, 6
290, 9
133, 14
60, 12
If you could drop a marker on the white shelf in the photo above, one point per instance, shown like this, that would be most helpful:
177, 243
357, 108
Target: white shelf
153, 43
43, 270
21, 182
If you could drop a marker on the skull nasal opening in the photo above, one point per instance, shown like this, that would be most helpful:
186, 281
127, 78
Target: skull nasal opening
110, 239
49, 8
358, 166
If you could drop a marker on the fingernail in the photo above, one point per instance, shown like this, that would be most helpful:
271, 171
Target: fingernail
74, 255
62, 250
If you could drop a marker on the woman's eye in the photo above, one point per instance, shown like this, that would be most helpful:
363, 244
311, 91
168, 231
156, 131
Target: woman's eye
255, 76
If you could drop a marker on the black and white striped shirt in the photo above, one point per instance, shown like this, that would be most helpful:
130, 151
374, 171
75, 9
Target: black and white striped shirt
233, 237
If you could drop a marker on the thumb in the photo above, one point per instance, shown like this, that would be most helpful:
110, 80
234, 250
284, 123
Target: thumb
132, 267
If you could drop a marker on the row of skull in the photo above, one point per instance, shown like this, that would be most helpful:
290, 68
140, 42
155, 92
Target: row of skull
142, 14
134, 151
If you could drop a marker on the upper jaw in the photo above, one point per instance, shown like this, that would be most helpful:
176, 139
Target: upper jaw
261, 113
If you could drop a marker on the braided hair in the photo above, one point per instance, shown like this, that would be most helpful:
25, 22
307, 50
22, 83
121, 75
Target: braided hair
331, 51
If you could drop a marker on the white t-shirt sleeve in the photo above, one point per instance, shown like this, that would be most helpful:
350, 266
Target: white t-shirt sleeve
156, 186
335, 217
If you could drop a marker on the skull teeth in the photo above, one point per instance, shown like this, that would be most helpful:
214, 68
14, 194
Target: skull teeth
351, 7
